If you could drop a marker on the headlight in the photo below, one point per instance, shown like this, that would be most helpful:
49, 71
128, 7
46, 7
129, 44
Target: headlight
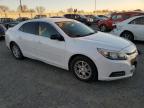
112, 55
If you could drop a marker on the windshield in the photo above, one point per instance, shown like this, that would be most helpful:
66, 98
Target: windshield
75, 29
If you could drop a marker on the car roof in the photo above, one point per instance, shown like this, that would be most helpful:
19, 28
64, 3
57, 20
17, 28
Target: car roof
129, 12
48, 20
130, 19
52, 19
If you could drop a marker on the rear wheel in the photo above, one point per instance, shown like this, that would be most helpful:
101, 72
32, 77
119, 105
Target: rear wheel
83, 68
128, 35
16, 51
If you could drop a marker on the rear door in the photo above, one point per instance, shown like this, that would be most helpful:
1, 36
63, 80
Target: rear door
28, 38
137, 28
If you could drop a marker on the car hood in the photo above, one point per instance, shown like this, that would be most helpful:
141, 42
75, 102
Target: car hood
105, 40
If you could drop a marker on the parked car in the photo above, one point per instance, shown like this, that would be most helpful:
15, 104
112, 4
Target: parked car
73, 46
40, 16
12, 24
102, 17
98, 18
132, 28
20, 19
81, 18
2, 30
107, 25
6, 21
57, 17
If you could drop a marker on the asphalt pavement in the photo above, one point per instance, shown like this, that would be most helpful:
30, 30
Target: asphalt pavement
34, 84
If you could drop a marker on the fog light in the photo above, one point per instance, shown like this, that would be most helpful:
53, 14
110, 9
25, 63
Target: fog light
117, 74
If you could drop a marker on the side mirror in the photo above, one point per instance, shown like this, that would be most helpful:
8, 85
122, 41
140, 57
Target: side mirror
57, 37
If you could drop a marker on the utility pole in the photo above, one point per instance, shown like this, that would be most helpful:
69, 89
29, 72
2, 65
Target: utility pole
21, 6
95, 6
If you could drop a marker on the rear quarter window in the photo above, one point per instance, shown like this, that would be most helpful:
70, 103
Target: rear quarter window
30, 27
138, 21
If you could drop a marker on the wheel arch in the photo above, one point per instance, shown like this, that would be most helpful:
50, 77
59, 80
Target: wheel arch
11, 43
128, 32
80, 55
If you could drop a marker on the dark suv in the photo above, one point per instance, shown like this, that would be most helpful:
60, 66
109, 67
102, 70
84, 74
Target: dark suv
81, 18
8, 22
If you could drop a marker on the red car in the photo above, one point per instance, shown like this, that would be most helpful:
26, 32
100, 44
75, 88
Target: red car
107, 25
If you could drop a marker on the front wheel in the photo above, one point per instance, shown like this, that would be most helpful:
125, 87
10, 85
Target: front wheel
128, 35
84, 69
16, 51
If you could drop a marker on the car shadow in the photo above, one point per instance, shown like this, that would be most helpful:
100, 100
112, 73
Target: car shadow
66, 76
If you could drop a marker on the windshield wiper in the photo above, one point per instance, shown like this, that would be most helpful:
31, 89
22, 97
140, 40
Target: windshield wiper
84, 35
90, 34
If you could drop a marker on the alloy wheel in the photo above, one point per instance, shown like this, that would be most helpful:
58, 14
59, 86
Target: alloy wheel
82, 69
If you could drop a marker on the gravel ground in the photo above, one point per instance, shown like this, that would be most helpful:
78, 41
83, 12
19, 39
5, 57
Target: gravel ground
33, 84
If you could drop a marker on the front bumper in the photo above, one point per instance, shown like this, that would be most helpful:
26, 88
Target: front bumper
128, 73
106, 67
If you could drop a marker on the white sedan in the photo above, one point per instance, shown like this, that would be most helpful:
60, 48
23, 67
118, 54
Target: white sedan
132, 28
73, 46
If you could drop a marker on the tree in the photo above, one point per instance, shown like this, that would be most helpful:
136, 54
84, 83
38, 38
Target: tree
24, 8
138, 10
40, 9
70, 10
31, 10
3, 8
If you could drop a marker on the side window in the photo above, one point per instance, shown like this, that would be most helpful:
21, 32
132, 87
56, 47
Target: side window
30, 27
126, 16
47, 30
119, 16
114, 17
68, 16
138, 21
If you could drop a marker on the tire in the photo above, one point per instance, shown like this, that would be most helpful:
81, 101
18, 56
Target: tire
1, 37
128, 35
16, 51
87, 72
103, 28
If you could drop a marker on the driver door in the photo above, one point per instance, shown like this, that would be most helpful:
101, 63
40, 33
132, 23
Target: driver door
52, 51
137, 27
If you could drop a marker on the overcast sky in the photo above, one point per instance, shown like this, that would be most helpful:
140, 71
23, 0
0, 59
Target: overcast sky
80, 4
